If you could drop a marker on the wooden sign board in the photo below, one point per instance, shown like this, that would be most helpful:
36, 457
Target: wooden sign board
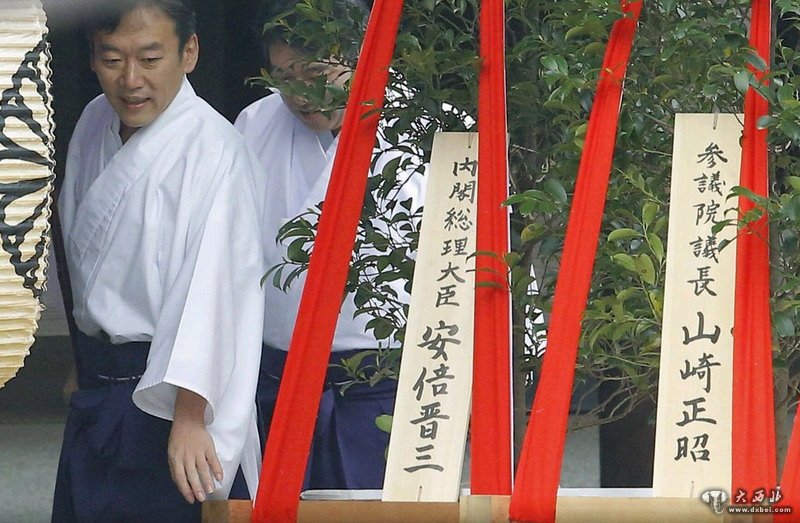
431, 413
693, 426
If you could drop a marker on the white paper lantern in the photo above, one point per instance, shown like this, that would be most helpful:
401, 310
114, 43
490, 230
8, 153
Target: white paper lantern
26, 176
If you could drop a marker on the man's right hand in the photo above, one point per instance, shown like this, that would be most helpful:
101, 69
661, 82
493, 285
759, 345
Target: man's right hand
193, 460
71, 385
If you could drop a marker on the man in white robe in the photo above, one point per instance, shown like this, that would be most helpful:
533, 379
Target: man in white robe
296, 144
160, 214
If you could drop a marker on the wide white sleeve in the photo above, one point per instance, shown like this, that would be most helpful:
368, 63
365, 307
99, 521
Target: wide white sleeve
208, 335
67, 199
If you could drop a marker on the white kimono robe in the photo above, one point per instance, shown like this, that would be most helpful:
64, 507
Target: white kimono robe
163, 245
296, 162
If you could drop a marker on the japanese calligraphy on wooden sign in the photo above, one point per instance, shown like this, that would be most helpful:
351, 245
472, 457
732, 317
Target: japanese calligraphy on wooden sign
693, 426
431, 412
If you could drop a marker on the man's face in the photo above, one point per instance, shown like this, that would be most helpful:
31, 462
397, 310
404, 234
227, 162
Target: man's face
289, 64
140, 67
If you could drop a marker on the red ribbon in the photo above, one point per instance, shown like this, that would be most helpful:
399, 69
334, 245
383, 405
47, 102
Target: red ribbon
790, 480
753, 442
290, 435
534, 496
491, 459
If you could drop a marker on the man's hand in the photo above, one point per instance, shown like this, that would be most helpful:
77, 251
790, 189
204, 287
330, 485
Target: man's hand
193, 460
70, 385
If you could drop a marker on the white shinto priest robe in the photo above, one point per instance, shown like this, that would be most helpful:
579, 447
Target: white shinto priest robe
163, 243
297, 163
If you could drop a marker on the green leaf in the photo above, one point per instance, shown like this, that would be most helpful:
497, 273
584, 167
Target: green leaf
656, 245
756, 61
352, 363
492, 284
594, 48
618, 310
645, 269
512, 259
620, 330
384, 331
490, 254
625, 261
663, 79
295, 251
766, 121
668, 5
742, 81
786, 94
784, 324
276, 271
740, 190
521, 286
622, 234
574, 31
660, 224
657, 299
624, 294
378, 241
361, 297
649, 212
555, 189
384, 423
555, 63
531, 232
794, 181
516, 198
389, 170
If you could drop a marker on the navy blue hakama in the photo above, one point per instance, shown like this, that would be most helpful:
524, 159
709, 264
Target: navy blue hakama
348, 450
113, 464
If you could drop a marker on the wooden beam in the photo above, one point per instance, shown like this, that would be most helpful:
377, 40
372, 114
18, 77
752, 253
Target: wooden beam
484, 509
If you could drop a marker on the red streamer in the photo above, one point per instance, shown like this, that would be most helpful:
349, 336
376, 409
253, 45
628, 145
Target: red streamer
791, 476
790, 480
296, 410
491, 459
534, 496
753, 442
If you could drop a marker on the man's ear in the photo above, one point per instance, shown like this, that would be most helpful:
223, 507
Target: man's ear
191, 51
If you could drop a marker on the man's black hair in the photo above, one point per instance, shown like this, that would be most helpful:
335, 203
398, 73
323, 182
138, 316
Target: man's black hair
106, 15
353, 12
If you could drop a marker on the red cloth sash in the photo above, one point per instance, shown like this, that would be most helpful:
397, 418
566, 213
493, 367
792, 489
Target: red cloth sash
753, 442
491, 459
539, 470
293, 423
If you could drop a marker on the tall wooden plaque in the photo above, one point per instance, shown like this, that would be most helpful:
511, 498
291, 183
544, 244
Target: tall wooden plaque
693, 431
431, 413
